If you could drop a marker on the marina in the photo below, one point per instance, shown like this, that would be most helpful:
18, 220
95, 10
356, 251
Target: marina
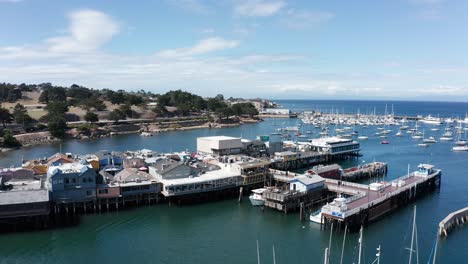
150, 217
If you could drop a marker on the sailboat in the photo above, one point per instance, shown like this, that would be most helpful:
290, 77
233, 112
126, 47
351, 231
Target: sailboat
414, 240
431, 139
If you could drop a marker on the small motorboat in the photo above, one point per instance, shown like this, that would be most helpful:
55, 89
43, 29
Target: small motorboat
256, 198
363, 137
384, 142
423, 145
316, 217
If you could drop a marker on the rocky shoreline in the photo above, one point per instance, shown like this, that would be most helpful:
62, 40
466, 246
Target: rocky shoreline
37, 138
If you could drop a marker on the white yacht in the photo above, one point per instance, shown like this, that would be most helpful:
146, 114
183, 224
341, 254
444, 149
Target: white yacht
431, 139
399, 134
432, 120
363, 137
338, 205
256, 198
316, 217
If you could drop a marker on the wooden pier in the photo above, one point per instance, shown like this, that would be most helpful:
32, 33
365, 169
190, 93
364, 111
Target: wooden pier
453, 220
367, 203
309, 159
370, 170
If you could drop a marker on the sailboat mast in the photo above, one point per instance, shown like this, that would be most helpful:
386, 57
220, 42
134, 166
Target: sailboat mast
412, 236
329, 242
274, 255
344, 240
360, 245
435, 250
258, 254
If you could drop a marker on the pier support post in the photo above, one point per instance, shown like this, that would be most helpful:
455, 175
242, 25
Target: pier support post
301, 213
241, 191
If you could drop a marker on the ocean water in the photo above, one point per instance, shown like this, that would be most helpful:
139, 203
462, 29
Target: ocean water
226, 231
400, 108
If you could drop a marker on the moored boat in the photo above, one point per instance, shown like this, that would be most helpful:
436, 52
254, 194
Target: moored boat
256, 198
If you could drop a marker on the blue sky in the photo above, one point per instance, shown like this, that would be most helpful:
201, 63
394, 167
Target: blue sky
394, 49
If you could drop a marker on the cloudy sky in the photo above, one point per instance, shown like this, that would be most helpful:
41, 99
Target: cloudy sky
388, 49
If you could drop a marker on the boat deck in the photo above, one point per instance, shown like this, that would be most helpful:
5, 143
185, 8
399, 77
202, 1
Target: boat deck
363, 197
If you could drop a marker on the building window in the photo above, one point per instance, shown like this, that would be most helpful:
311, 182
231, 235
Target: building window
73, 180
66, 180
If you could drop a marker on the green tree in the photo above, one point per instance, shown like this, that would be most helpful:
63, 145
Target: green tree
21, 115
57, 107
57, 125
126, 109
117, 115
91, 117
92, 102
9, 140
5, 116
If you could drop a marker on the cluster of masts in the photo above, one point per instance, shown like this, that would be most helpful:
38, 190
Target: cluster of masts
413, 249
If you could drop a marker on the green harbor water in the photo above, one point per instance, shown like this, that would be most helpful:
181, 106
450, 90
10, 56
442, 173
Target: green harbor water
226, 231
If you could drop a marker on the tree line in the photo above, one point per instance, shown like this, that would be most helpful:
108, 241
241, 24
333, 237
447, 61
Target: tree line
59, 99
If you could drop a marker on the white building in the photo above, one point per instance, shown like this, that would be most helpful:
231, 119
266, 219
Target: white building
277, 111
335, 145
219, 145
306, 183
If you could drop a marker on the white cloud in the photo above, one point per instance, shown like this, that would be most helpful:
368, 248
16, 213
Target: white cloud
247, 75
88, 31
445, 90
305, 19
202, 47
258, 8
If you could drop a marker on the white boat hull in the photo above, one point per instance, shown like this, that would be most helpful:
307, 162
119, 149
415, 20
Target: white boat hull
316, 218
256, 201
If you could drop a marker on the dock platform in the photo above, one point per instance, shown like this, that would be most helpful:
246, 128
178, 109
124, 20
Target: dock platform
453, 220
366, 203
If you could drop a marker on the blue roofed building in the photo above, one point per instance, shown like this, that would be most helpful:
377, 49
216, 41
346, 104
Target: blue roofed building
71, 182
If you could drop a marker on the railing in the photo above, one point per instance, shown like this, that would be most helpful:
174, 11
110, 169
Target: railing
394, 193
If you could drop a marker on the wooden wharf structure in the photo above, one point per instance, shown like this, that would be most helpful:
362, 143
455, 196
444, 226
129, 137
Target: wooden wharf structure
370, 170
367, 203
453, 220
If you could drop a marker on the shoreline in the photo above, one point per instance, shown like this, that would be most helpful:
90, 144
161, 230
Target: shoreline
41, 138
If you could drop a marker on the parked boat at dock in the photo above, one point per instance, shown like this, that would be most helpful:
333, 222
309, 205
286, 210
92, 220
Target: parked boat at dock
256, 198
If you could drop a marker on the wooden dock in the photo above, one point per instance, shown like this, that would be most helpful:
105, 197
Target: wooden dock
453, 220
367, 203
370, 170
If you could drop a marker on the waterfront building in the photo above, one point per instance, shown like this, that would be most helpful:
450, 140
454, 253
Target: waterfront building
71, 182
60, 158
306, 183
109, 158
332, 171
22, 195
135, 182
253, 171
254, 148
133, 162
293, 190
286, 156
277, 111
92, 160
219, 145
182, 178
335, 145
